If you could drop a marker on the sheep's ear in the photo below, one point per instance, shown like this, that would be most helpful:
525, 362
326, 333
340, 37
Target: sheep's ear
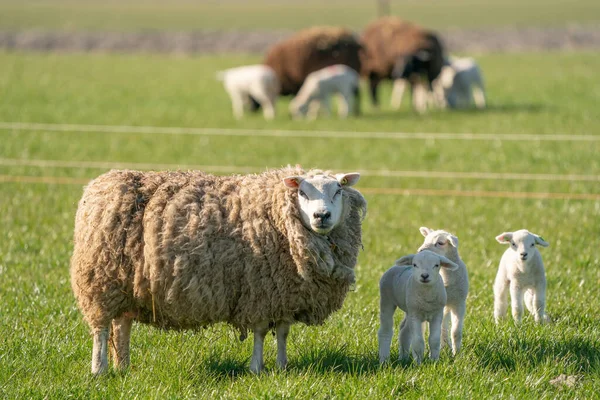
448, 264
349, 179
505, 237
425, 231
293, 182
405, 260
540, 240
453, 241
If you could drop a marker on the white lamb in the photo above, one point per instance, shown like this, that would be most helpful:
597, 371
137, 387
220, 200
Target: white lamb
522, 272
456, 283
318, 88
258, 82
414, 285
460, 84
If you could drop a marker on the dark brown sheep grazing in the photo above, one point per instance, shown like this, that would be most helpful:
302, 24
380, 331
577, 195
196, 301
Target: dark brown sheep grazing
310, 50
397, 49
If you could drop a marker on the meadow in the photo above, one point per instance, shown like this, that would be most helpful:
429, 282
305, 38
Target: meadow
529, 161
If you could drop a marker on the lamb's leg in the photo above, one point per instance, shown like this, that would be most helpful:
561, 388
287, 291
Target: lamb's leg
417, 342
539, 304
344, 104
516, 300
100, 350
313, 109
445, 327
458, 319
435, 331
478, 92
398, 93
119, 345
386, 328
257, 363
500, 297
237, 103
283, 329
404, 340
266, 103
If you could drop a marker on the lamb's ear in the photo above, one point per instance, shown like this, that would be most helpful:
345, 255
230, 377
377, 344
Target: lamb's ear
405, 260
425, 231
540, 240
504, 238
453, 241
349, 179
293, 182
448, 264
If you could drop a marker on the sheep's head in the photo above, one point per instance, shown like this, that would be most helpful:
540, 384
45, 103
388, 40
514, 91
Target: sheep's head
320, 199
522, 242
426, 266
440, 242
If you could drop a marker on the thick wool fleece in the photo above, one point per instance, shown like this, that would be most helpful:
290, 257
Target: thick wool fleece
187, 249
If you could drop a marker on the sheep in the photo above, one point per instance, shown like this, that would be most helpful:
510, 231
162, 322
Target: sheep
183, 250
320, 85
521, 271
460, 84
399, 50
248, 84
456, 283
414, 285
310, 50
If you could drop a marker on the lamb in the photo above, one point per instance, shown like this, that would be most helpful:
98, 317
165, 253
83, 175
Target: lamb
456, 283
310, 50
460, 84
183, 250
522, 272
320, 85
400, 50
251, 83
414, 285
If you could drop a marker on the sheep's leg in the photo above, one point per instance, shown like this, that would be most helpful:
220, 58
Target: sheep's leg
539, 304
478, 92
100, 351
121, 334
374, 84
344, 104
404, 339
516, 299
445, 327
419, 94
237, 103
458, 319
257, 363
398, 93
313, 109
435, 332
417, 342
266, 103
386, 328
500, 297
283, 329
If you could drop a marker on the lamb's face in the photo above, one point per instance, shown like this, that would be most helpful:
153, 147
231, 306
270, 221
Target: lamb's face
320, 199
426, 266
440, 242
522, 242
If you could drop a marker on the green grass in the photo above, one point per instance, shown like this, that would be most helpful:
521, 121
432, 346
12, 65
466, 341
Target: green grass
45, 349
284, 14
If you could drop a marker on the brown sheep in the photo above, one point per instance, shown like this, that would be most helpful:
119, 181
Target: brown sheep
397, 49
183, 250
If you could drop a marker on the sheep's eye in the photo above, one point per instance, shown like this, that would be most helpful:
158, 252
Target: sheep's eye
436, 266
301, 193
415, 265
440, 243
532, 244
513, 243
339, 191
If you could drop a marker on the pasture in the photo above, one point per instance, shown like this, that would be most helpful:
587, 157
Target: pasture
529, 161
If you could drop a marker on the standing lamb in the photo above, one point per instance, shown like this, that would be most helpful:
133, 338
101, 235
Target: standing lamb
460, 84
320, 85
183, 250
456, 283
522, 272
251, 83
414, 285
400, 50
310, 50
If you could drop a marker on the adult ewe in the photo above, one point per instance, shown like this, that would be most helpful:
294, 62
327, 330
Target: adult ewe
184, 250
521, 272
310, 50
397, 49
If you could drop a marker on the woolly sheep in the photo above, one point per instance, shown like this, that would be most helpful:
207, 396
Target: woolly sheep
320, 85
251, 83
460, 84
414, 285
182, 250
456, 283
522, 272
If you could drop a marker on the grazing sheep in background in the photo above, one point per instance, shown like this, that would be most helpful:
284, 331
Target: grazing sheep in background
184, 250
522, 272
456, 283
397, 49
310, 50
251, 83
414, 285
460, 84
320, 85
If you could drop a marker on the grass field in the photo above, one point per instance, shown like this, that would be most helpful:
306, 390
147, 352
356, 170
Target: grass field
45, 349
285, 14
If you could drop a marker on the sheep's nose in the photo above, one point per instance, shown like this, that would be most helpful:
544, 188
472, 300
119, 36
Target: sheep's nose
322, 215
424, 276
523, 255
